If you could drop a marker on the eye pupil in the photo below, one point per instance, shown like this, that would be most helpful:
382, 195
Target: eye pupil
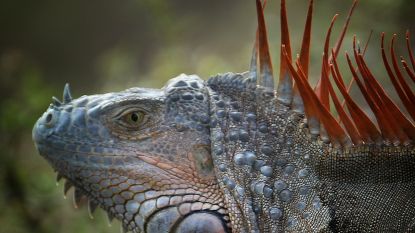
134, 117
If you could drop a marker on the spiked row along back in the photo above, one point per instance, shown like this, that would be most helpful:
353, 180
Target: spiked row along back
353, 126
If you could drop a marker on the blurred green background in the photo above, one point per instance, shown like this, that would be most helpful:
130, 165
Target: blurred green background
102, 46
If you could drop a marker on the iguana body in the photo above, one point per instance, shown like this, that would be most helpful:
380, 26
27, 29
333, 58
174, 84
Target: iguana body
233, 155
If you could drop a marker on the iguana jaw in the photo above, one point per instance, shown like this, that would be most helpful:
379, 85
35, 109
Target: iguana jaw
160, 170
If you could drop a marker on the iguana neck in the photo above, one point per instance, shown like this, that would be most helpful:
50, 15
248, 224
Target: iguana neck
276, 176
261, 151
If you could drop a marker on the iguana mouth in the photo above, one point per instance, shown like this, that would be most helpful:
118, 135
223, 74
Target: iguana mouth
157, 209
80, 196
178, 204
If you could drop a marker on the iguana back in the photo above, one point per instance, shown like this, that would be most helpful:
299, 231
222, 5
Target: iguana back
236, 154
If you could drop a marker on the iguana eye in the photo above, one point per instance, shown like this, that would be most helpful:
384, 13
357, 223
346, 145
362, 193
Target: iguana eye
133, 119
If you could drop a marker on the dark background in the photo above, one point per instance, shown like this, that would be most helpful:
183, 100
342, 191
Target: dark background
101, 46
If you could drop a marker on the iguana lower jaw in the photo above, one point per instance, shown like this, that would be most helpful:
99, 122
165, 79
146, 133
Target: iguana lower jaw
139, 154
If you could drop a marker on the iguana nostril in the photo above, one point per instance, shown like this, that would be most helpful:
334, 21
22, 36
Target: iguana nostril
49, 118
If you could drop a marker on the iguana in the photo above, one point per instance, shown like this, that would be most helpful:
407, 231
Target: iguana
233, 154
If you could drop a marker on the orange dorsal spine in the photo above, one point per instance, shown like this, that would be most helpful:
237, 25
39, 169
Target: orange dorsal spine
404, 98
334, 130
266, 78
285, 84
383, 124
408, 46
298, 104
321, 89
398, 72
347, 122
407, 69
400, 124
356, 127
253, 68
365, 126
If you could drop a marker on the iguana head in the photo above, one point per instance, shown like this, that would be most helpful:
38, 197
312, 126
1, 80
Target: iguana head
141, 154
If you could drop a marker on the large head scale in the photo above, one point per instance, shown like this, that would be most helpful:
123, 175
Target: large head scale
141, 154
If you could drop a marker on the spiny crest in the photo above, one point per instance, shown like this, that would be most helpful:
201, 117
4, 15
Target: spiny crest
353, 126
